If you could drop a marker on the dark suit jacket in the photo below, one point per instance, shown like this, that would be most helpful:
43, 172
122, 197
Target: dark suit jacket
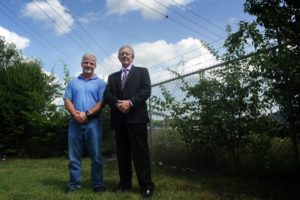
137, 89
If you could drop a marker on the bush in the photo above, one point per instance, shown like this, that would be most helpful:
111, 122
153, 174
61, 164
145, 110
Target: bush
167, 147
261, 156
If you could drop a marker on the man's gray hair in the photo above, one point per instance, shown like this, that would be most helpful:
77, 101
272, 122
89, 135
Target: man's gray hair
89, 55
126, 46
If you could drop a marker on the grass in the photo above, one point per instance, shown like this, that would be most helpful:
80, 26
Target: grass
28, 179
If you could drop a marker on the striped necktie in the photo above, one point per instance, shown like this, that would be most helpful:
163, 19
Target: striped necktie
124, 76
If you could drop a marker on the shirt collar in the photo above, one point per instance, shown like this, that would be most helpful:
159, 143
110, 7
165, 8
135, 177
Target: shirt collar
93, 77
128, 68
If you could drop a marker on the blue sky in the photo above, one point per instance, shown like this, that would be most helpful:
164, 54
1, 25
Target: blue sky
164, 33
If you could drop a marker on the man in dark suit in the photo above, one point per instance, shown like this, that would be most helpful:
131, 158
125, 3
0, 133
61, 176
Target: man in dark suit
126, 93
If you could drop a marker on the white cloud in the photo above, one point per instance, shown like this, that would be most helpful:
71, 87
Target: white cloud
61, 21
90, 17
185, 56
148, 9
11, 37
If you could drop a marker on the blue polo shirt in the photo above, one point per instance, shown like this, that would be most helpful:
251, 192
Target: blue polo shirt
85, 93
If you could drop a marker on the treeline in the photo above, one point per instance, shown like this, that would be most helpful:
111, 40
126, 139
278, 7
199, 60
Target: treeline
246, 112
31, 125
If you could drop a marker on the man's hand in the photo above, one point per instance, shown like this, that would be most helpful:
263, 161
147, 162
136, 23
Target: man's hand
124, 106
80, 117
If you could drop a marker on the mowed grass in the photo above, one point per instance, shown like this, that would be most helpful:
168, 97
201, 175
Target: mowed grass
29, 179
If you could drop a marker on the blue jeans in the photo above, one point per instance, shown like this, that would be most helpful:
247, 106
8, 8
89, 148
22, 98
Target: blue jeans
87, 135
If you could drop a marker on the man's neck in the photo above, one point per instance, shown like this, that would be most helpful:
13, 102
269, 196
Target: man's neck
87, 76
126, 66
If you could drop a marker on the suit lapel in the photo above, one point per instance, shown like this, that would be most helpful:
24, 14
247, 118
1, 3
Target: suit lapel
119, 74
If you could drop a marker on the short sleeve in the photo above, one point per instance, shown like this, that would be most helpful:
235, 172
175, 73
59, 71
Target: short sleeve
68, 91
102, 88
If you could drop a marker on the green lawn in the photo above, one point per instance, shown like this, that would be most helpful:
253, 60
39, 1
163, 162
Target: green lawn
28, 179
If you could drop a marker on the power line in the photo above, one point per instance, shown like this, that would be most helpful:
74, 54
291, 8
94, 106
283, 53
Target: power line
53, 21
78, 34
68, 25
207, 68
195, 23
189, 66
176, 57
122, 32
174, 20
38, 35
88, 34
210, 67
201, 17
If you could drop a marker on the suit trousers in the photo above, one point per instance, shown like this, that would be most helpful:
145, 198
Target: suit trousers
132, 144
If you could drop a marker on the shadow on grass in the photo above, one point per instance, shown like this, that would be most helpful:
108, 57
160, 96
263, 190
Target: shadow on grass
55, 183
228, 186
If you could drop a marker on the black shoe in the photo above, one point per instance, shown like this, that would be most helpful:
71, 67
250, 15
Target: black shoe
122, 188
148, 191
99, 190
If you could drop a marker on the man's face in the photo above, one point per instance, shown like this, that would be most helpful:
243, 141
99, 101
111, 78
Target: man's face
88, 65
125, 57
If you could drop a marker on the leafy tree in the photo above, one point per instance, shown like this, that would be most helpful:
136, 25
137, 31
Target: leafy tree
28, 116
220, 111
274, 33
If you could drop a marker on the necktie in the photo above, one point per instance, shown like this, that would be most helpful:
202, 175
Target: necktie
124, 76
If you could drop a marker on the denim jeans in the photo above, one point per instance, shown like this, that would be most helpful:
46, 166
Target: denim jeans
87, 135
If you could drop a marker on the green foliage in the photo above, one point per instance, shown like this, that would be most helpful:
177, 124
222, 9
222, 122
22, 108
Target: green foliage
229, 108
167, 147
67, 76
278, 62
31, 123
218, 113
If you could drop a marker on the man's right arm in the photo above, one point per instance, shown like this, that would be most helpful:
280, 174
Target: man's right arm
80, 117
70, 107
109, 97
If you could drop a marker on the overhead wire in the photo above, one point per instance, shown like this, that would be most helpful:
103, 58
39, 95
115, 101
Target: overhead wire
53, 21
201, 17
93, 38
88, 34
69, 25
184, 61
81, 25
176, 57
86, 43
174, 20
26, 28
187, 68
188, 19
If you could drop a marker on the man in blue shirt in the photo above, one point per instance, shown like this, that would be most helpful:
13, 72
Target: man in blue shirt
84, 99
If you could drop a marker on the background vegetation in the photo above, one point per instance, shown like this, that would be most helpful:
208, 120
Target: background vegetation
241, 113
242, 118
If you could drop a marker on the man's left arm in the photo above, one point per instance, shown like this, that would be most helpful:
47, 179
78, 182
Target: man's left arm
96, 108
145, 90
100, 104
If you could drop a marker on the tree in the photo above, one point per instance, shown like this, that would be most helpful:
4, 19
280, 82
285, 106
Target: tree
28, 115
274, 34
219, 112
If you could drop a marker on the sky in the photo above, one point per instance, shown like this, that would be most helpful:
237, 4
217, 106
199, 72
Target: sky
165, 34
